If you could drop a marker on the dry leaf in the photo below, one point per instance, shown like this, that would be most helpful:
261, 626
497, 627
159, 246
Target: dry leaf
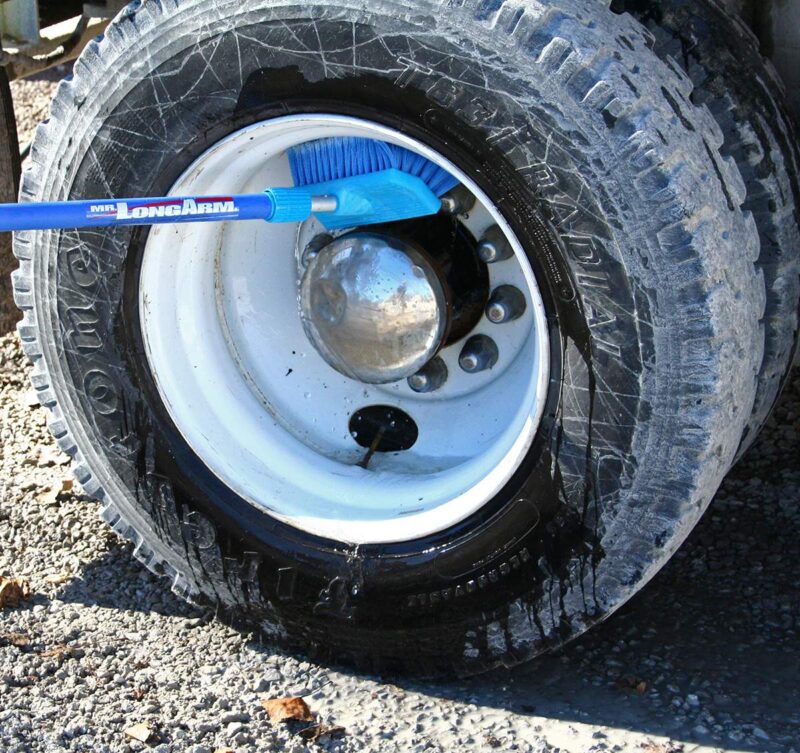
142, 732
224, 750
52, 494
285, 709
12, 591
49, 496
59, 651
632, 684
669, 747
14, 639
49, 456
317, 731
56, 579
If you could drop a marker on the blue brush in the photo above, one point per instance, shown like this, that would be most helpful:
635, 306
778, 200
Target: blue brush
346, 182
325, 160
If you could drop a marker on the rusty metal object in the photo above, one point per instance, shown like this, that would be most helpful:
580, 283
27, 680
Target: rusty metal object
54, 45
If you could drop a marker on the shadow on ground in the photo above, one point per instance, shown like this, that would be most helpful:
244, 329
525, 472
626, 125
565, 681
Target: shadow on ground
713, 638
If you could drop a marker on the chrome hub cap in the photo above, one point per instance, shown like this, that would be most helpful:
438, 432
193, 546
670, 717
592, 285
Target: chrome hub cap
373, 307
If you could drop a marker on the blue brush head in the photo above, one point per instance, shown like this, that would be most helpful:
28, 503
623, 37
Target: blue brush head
374, 198
324, 160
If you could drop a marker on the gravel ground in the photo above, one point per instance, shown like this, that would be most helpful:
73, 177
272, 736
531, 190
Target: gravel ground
706, 658
32, 99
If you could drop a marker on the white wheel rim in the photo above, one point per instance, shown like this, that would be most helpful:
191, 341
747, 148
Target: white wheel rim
265, 413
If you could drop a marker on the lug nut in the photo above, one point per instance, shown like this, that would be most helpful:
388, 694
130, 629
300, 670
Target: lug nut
430, 377
314, 246
457, 200
506, 304
478, 354
494, 246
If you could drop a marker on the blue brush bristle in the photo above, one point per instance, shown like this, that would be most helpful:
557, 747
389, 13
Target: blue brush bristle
347, 156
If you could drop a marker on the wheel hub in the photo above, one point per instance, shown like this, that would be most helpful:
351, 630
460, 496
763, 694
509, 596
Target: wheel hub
374, 307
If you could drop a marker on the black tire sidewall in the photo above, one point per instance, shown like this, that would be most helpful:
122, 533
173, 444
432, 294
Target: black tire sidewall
544, 521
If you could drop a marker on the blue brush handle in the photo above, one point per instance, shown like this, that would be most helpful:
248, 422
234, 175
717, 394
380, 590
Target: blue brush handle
274, 205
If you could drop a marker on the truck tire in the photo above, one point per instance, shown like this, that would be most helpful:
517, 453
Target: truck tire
538, 497
742, 90
9, 184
